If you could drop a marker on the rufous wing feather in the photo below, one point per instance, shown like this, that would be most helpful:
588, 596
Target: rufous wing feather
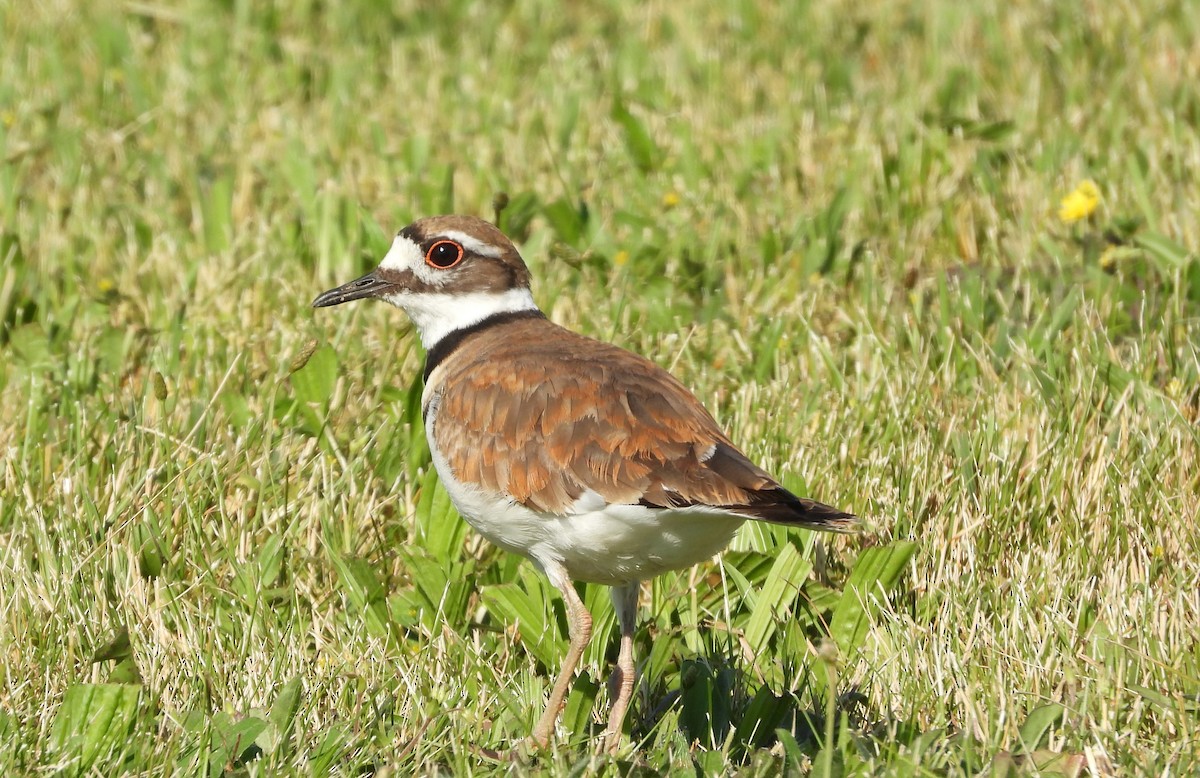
546, 422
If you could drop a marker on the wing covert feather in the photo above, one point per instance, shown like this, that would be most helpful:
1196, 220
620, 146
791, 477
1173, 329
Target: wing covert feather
544, 422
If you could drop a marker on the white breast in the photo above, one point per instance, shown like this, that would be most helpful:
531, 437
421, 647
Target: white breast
596, 541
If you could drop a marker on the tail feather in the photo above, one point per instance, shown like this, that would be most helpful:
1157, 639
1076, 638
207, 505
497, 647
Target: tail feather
779, 506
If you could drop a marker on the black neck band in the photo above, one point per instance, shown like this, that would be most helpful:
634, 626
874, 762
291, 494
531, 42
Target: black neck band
446, 346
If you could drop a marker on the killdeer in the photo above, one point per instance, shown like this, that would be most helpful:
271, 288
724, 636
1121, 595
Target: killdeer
593, 462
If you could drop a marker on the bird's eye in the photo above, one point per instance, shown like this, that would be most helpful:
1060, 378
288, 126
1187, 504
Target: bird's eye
444, 254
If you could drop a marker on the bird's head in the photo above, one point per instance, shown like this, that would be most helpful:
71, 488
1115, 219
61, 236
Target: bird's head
447, 273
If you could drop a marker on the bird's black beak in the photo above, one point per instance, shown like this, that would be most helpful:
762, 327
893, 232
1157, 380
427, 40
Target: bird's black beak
370, 285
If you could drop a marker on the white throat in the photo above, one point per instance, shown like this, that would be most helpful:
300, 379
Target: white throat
436, 315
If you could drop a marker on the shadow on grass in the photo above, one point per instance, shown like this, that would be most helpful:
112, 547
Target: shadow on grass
724, 716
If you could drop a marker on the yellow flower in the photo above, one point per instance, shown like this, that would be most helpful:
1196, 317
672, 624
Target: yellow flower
1081, 203
620, 258
670, 200
1108, 260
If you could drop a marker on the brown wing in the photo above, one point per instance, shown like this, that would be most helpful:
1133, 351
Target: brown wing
545, 423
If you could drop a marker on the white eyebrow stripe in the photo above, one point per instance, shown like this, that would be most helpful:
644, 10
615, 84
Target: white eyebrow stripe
403, 255
473, 244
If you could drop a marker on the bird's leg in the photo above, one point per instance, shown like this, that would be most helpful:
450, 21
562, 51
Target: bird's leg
580, 625
625, 600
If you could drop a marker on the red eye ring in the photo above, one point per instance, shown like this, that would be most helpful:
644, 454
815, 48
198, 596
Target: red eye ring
444, 255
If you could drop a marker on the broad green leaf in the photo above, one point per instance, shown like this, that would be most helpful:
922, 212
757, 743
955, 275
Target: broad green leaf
416, 445
830, 239
287, 702
112, 346
778, 591
659, 663
747, 593
706, 699
641, 147
531, 614
314, 382
598, 600
577, 714
441, 530
748, 569
31, 347
234, 742
216, 211
365, 592
829, 763
696, 691
795, 757
993, 132
438, 591
270, 561
1186, 702
93, 722
125, 672
875, 574
1163, 249
567, 220
117, 648
710, 760
521, 210
277, 733
1038, 724
822, 598
760, 718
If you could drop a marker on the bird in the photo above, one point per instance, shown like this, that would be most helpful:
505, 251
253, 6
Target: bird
592, 461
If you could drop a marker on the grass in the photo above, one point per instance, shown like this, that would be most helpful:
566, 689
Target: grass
221, 546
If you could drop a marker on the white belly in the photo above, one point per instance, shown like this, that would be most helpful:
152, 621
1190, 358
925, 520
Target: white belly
599, 542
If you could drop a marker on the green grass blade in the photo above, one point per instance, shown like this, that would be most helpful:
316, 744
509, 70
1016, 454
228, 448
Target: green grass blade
1038, 724
783, 583
875, 574
92, 725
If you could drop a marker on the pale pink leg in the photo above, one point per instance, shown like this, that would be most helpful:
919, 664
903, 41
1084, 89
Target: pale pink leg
625, 600
580, 625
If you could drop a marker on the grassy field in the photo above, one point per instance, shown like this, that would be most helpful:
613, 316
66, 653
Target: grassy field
222, 549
